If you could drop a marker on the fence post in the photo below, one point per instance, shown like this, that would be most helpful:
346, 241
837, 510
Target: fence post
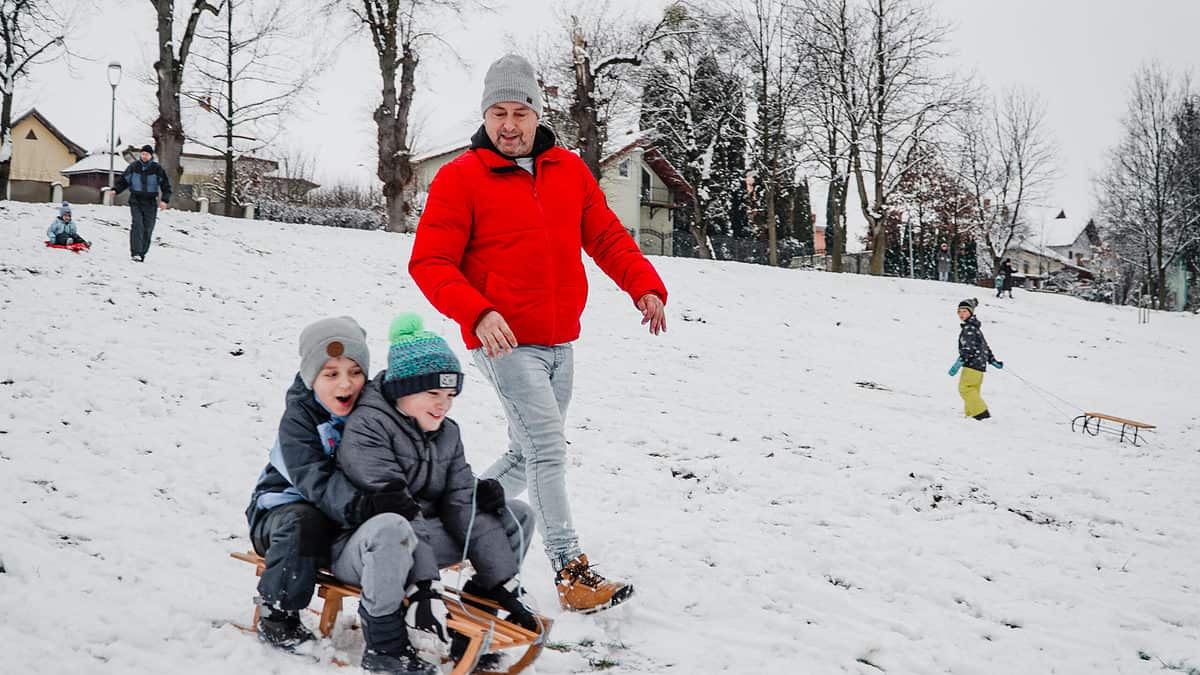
56, 193
249, 212
202, 205
107, 195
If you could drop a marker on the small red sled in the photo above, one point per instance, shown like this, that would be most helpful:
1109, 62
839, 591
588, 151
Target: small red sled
77, 247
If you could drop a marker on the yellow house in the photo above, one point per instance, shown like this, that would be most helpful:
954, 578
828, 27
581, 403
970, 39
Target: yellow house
40, 153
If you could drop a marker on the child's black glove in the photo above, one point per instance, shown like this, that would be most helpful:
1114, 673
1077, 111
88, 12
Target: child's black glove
489, 496
391, 498
426, 611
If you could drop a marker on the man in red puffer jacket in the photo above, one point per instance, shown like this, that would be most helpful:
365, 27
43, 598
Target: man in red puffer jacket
498, 250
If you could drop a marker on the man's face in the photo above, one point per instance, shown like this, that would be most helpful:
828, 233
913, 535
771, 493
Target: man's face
512, 127
146, 156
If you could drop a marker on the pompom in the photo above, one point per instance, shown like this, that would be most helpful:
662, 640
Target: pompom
405, 325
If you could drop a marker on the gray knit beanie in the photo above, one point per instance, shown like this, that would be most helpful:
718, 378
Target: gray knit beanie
64, 210
511, 80
330, 338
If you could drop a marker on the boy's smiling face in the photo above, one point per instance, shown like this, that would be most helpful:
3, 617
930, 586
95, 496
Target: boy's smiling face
429, 408
338, 385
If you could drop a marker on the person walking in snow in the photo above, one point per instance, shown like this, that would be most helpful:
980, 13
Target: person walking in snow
943, 263
62, 231
302, 499
974, 356
144, 179
400, 438
498, 250
1004, 278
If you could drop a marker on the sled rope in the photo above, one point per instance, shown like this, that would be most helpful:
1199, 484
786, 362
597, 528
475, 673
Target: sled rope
1048, 395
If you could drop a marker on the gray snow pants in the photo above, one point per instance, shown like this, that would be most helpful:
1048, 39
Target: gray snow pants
387, 553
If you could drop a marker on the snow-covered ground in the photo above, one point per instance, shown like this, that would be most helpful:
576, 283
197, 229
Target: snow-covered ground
786, 474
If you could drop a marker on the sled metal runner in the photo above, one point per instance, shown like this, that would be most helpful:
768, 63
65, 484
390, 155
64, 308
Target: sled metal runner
1090, 423
484, 630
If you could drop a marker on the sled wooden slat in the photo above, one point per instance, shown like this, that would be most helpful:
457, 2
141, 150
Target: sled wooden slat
484, 630
1090, 422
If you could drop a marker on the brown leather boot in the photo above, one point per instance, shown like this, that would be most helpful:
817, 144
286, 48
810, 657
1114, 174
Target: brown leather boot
581, 590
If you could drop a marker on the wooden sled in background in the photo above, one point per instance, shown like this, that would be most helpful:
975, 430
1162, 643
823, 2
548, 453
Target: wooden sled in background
485, 631
1091, 423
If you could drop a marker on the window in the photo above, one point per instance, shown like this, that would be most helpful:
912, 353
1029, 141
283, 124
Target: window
623, 168
31, 136
1026, 265
1070, 253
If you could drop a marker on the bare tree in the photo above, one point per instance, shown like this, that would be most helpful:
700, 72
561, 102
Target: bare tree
33, 31
828, 43
399, 29
1008, 162
761, 29
169, 68
905, 101
248, 78
1152, 220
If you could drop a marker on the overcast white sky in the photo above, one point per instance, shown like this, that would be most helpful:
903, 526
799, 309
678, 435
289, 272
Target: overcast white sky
1078, 54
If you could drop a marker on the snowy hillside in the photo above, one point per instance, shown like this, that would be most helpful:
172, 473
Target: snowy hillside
786, 474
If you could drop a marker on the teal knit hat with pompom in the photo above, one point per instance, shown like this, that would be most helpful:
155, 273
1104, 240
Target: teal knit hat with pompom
418, 360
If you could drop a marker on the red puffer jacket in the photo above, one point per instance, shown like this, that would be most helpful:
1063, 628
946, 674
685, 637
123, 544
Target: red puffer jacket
494, 237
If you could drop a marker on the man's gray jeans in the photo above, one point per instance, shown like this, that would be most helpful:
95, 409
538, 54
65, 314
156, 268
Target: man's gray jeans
534, 387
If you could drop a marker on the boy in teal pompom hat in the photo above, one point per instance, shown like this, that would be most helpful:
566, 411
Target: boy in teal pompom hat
400, 434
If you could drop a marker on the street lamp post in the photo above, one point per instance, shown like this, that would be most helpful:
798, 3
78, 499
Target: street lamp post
114, 78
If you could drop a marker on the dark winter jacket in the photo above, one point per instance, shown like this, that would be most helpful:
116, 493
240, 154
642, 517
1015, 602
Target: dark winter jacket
382, 445
302, 465
144, 180
495, 237
973, 348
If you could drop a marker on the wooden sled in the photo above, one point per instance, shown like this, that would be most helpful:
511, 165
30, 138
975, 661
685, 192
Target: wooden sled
1091, 425
485, 631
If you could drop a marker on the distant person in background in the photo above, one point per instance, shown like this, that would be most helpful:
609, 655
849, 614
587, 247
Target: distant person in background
62, 231
1004, 278
144, 179
974, 356
943, 263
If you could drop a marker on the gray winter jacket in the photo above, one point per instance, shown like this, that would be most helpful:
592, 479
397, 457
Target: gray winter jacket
382, 445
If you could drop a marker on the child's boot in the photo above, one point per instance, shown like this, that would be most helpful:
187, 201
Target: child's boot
581, 589
280, 628
387, 649
507, 595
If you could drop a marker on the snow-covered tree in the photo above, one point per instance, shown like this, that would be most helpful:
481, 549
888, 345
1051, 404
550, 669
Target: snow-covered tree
694, 110
1148, 207
31, 32
591, 68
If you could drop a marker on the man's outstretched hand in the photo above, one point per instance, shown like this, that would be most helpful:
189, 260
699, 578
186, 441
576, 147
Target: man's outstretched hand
497, 338
653, 313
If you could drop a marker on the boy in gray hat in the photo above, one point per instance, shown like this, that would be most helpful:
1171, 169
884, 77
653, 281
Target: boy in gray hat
302, 499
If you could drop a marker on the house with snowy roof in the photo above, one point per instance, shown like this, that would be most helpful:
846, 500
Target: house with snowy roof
40, 152
1063, 243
